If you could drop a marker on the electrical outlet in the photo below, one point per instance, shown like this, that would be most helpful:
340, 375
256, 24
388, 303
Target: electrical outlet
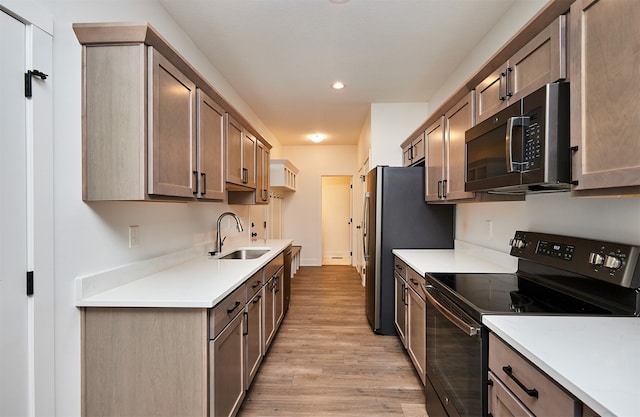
134, 236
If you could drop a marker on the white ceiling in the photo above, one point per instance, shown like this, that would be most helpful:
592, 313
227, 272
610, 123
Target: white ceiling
282, 56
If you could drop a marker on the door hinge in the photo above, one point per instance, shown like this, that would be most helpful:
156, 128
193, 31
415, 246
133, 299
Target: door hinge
28, 76
29, 282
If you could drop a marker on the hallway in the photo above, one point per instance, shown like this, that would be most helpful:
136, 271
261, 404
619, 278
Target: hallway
325, 361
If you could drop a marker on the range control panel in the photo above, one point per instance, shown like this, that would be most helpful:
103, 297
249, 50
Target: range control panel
616, 263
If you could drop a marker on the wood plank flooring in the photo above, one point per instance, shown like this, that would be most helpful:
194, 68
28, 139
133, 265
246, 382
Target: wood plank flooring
326, 361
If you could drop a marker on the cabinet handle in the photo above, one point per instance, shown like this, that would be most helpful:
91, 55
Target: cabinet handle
406, 299
402, 296
531, 392
257, 299
245, 175
197, 188
439, 187
245, 332
230, 310
444, 189
413, 281
256, 284
573, 149
507, 93
502, 98
204, 183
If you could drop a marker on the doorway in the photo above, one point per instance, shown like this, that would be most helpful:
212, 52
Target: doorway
337, 220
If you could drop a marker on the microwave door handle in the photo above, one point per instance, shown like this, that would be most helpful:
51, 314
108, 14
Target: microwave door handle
511, 123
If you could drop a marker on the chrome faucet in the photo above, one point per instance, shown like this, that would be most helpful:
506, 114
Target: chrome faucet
219, 239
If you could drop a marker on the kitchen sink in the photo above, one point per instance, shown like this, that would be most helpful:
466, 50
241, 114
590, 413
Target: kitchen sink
245, 254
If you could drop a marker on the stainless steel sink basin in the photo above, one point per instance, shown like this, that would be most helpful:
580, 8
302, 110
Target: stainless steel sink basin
245, 254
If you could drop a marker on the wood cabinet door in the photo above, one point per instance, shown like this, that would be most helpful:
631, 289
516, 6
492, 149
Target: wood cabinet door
543, 60
490, 94
226, 356
268, 311
406, 155
172, 138
416, 332
434, 160
253, 337
249, 149
605, 85
401, 308
457, 121
417, 146
262, 174
233, 151
210, 173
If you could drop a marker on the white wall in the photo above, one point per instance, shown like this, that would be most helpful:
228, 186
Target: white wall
301, 212
391, 124
613, 219
90, 237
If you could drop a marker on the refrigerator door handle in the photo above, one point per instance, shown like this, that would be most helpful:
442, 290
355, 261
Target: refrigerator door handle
365, 226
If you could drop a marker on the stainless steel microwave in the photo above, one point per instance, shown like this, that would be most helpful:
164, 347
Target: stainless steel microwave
524, 147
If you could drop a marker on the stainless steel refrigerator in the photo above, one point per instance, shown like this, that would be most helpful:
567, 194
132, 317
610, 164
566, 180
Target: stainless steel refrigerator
396, 216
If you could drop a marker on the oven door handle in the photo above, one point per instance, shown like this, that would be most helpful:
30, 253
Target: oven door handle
457, 321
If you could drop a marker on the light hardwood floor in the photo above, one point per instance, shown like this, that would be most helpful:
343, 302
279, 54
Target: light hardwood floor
326, 361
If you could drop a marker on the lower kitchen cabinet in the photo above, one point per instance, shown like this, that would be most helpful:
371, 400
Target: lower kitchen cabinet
144, 361
227, 369
518, 388
410, 310
416, 322
273, 306
401, 301
161, 361
253, 337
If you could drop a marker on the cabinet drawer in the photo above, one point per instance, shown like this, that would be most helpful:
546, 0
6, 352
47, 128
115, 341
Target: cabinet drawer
550, 400
415, 280
400, 267
254, 284
272, 267
226, 310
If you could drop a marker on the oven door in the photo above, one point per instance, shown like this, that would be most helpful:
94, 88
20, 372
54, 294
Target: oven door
456, 359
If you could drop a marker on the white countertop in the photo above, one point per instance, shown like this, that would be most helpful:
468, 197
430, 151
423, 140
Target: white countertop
192, 281
465, 258
597, 359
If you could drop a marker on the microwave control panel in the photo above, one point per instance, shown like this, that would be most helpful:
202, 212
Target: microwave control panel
532, 150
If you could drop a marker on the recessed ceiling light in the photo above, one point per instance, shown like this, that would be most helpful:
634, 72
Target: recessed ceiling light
316, 137
338, 85
338, 1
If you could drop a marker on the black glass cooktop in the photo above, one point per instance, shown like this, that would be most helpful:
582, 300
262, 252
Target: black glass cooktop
480, 294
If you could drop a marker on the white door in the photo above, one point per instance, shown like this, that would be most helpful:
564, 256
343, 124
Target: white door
336, 220
14, 366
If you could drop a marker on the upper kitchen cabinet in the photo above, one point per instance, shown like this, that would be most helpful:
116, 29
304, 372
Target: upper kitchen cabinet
445, 159
262, 174
541, 61
605, 85
137, 144
210, 174
260, 193
413, 150
241, 157
172, 141
153, 127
